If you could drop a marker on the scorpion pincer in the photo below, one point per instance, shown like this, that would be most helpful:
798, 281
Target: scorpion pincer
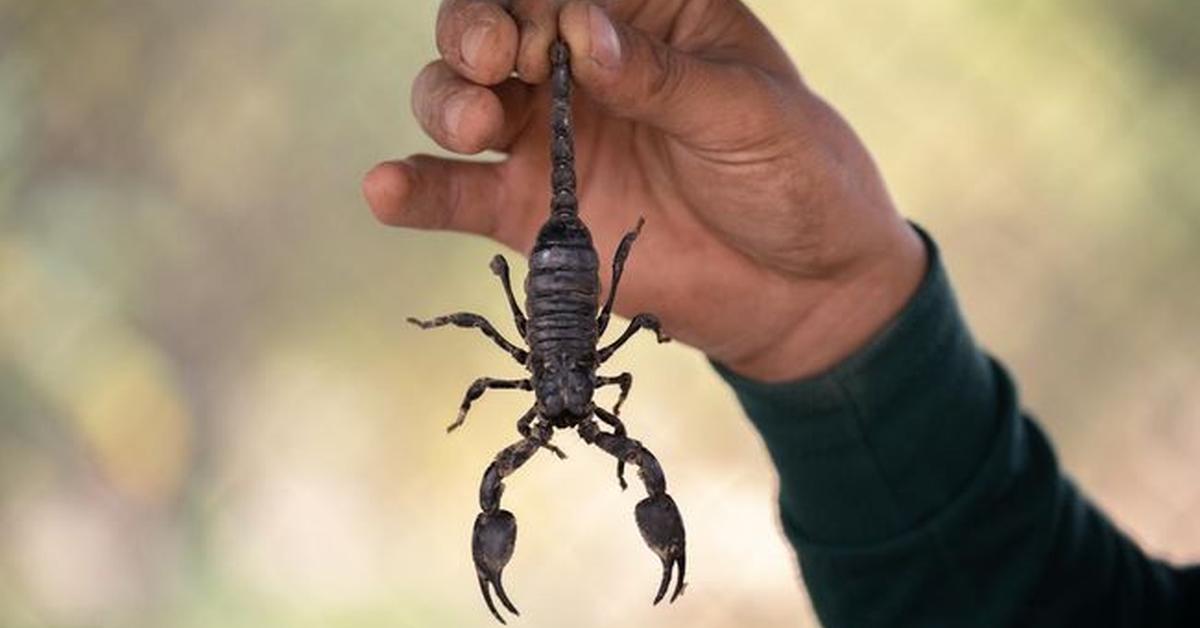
563, 330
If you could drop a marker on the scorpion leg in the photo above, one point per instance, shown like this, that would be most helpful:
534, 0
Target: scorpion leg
466, 319
624, 380
524, 427
478, 387
641, 321
499, 267
618, 430
657, 515
618, 267
495, 532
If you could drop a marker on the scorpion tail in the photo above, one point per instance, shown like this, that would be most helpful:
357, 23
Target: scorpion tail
562, 144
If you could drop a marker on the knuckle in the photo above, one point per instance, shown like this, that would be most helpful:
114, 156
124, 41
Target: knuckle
428, 92
458, 115
482, 26
667, 73
656, 86
430, 207
447, 27
458, 207
660, 70
533, 63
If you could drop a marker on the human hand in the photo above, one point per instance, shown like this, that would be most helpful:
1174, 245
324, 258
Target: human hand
770, 242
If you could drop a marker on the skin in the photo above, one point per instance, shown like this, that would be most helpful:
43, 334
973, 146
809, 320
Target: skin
771, 243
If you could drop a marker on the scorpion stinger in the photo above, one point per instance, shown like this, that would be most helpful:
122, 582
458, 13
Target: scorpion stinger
563, 329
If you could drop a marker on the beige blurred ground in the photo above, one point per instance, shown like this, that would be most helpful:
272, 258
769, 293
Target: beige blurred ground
210, 414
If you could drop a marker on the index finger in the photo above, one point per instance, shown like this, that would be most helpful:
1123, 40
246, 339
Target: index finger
478, 39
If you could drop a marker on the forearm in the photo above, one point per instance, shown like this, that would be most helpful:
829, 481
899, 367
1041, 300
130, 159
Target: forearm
869, 427
916, 493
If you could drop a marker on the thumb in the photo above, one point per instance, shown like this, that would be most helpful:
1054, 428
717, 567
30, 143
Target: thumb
698, 101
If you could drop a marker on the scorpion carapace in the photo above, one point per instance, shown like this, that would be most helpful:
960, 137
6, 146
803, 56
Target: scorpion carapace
562, 330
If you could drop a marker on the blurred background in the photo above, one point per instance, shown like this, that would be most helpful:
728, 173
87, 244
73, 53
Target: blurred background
211, 413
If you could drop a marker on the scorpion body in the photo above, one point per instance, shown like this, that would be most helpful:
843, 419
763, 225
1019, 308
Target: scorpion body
563, 328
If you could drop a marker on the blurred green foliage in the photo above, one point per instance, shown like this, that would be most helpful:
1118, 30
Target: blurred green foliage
211, 414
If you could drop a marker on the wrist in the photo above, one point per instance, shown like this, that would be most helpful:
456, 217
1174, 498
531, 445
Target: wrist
842, 314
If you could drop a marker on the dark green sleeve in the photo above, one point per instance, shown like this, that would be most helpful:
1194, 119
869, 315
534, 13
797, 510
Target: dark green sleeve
917, 493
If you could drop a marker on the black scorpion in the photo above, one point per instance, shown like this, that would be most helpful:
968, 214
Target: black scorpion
563, 330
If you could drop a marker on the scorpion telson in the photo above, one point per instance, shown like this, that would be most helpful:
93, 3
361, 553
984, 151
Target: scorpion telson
563, 330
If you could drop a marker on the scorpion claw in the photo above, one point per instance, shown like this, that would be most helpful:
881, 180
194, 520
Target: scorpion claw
662, 529
492, 544
487, 597
504, 598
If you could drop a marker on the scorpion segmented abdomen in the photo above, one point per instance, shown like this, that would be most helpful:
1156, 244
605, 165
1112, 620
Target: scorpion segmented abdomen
562, 290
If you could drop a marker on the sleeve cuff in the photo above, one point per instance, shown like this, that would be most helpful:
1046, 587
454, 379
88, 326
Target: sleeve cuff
888, 437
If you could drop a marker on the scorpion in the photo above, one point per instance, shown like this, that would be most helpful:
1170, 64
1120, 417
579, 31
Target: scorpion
562, 331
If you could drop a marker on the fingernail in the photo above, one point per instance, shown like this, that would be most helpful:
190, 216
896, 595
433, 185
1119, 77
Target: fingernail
452, 115
606, 46
473, 42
